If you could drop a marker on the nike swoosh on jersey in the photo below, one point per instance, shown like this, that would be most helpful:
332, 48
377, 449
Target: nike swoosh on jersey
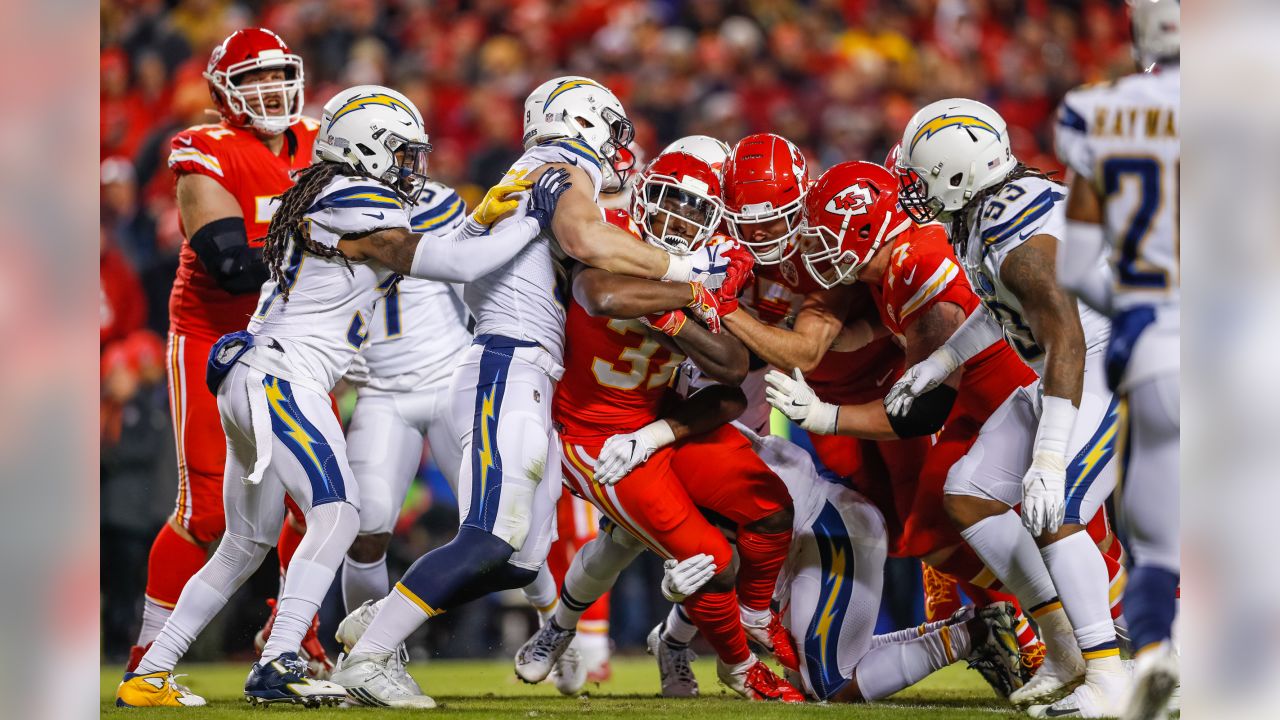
184, 140
886, 377
911, 276
379, 216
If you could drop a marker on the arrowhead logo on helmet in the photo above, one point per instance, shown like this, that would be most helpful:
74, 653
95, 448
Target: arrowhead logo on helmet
853, 200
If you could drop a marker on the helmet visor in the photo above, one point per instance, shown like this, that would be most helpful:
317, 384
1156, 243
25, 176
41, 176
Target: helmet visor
620, 161
408, 171
678, 219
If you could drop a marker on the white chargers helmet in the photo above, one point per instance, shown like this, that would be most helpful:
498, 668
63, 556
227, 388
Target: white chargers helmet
380, 133
951, 150
579, 107
704, 147
1157, 30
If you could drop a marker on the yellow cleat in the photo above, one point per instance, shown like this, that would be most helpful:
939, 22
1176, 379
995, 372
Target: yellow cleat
158, 689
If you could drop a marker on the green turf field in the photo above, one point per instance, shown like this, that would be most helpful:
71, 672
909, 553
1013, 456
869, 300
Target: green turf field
489, 689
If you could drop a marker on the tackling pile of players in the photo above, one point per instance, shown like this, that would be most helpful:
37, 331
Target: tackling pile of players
918, 318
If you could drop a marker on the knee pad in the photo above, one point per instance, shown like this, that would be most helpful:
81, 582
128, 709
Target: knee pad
236, 558
376, 513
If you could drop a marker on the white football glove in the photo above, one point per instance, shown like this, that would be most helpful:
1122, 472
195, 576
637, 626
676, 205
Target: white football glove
795, 399
1044, 493
918, 380
684, 578
1044, 484
620, 454
706, 265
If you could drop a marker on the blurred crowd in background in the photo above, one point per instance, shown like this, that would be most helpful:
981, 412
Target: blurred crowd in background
839, 78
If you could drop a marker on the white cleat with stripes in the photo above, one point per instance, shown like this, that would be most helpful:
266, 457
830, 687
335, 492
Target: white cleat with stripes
369, 680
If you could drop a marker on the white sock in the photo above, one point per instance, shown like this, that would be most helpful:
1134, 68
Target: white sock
1081, 574
363, 581
1011, 554
908, 634
542, 594
197, 605
396, 620
204, 595
591, 574
680, 630
153, 617
331, 528
892, 667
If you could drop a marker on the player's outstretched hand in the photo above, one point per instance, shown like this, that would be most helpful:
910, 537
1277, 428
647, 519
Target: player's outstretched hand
546, 193
794, 398
1043, 494
705, 306
500, 200
684, 578
620, 454
916, 381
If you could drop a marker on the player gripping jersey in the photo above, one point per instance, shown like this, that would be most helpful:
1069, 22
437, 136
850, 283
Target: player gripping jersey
336, 245
1121, 142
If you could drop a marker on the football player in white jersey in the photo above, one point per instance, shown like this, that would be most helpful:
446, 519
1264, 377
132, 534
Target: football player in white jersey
509, 478
1049, 446
402, 374
1121, 142
340, 235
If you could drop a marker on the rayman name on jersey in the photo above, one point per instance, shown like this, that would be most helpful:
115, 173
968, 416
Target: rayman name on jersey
1157, 123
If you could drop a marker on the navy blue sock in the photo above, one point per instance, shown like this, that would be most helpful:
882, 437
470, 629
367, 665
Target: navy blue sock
463, 570
1150, 603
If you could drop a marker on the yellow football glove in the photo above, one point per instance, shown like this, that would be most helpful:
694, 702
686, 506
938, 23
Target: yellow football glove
499, 201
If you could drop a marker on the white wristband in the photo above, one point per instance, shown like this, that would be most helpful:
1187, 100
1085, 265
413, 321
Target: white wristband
679, 268
1057, 418
659, 432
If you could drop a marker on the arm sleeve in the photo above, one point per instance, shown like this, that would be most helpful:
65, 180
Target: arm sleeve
1082, 268
472, 251
977, 333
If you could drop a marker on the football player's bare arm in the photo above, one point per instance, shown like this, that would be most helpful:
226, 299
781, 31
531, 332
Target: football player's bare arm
927, 333
583, 233
602, 293
817, 325
1051, 313
720, 356
704, 411
216, 232
1079, 269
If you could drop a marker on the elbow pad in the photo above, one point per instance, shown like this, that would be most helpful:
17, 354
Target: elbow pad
927, 413
223, 249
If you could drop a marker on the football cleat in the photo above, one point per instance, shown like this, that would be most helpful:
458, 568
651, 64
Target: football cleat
754, 680
1059, 673
1099, 696
1155, 684
370, 680
319, 666
784, 647
675, 665
536, 658
157, 689
765, 629
569, 673
996, 658
285, 679
352, 628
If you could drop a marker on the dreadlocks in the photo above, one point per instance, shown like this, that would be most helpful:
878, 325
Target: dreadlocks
959, 230
287, 224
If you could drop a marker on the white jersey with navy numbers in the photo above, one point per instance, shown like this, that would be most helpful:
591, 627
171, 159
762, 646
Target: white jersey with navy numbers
1123, 138
420, 326
525, 299
1022, 209
314, 336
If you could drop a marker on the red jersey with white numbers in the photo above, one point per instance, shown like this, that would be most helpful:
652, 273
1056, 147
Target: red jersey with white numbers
922, 272
615, 372
255, 176
844, 378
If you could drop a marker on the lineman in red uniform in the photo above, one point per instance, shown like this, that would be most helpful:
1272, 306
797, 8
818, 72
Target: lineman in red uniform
229, 174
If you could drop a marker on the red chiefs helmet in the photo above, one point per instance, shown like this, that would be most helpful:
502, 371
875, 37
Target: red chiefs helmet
850, 212
676, 202
269, 107
765, 183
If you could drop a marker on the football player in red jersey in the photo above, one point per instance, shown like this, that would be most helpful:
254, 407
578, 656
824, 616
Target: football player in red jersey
228, 176
617, 374
832, 335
